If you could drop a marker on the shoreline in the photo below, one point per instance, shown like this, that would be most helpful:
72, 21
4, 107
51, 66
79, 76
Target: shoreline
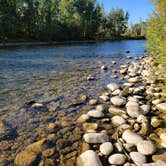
36, 43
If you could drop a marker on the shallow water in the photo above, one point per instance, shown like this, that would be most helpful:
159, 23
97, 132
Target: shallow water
51, 73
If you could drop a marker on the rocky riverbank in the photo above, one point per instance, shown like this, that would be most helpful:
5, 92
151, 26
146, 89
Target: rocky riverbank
125, 125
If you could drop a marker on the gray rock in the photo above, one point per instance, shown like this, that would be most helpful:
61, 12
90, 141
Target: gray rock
95, 138
113, 86
131, 137
146, 147
117, 159
89, 158
118, 120
95, 114
106, 148
118, 101
138, 158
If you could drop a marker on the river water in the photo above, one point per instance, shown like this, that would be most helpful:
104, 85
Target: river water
53, 74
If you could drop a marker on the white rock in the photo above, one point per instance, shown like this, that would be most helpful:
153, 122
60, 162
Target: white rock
157, 101
142, 119
145, 109
133, 111
138, 158
128, 84
163, 139
89, 158
113, 86
103, 67
146, 147
104, 97
37, 105
116, 92
100, 108
118, 100
116, 111
83, 118
95, 114
131, 137
133, 79
95, 138
161, 107
117, 159
106, 148
132, 102
118, 146
117, 120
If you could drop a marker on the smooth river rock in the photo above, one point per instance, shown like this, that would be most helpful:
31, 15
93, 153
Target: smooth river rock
89, 158
83, 118
138, 158
161, 107
116, 111
146, 147
131, 137
118, 101
118, 120
113, 86
95, 114
106, 148
95, 138
117, 159
133, 111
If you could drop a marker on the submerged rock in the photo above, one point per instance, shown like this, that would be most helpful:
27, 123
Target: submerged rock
89, 158
95, 138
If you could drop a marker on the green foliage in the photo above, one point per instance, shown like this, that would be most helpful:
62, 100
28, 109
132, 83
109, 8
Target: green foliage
58, 20
156, 30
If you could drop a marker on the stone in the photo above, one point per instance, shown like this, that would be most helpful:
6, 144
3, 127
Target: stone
125, 91
95, 138
37, 105
116, 92
133, 111
146, 147
161, 156
104, 98
118, 101
90, 78
134, 79
52, 126
129, 147
161, 107
163, 139
117, 159
100, 108
113, 86
145, 109
117, 120
90, 126
118, 146
155, 121
142, 119
93, 102
89, 158
144, 128
138, 158
83, 118
95, 114
104, 67
106, 148
131, 137
116, 111
157, 101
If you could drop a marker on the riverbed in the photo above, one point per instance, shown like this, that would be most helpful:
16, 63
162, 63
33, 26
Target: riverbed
55, 75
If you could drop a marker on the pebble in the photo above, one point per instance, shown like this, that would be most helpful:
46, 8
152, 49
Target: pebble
90, 126
93, 102
138, 158
95, 138
117, 159
118, 120
155, 121
133, 111
100, 108
142, 119
145, 109
83, 118
89, 158
104, 67
116, 111
95, 114
157, 101
37, 105
146, 147
163, 139
116, 92
104, 98
133, 79
131, 137
118, 100
161, 107
113, 86
106, 148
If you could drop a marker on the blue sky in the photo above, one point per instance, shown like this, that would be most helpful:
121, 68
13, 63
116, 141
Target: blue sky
138, 9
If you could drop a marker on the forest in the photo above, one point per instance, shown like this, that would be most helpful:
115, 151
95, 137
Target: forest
64, 20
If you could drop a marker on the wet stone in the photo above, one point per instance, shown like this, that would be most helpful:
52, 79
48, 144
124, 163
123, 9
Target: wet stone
106, 148
117, 159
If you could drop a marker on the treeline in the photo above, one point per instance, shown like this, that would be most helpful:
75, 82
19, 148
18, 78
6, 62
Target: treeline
60, 20
156, 31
